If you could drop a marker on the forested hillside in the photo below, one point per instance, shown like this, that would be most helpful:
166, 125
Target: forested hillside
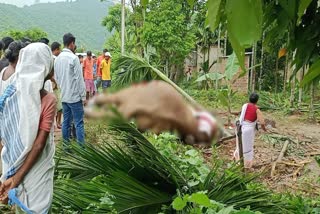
82, 18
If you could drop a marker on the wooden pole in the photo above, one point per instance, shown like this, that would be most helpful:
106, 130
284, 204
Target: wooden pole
283, 150
239, 135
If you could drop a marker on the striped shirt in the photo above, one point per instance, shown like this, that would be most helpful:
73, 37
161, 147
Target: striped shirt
68, 75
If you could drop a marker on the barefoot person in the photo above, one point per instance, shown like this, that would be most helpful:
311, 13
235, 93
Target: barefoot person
250, 114
28, 148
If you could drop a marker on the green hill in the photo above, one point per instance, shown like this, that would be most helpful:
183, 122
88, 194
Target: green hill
82, 18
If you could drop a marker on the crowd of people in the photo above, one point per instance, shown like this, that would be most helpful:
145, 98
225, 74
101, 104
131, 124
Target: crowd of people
38, 85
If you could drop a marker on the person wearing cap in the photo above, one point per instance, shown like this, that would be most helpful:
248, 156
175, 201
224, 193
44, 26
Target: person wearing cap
88, 75
105, 68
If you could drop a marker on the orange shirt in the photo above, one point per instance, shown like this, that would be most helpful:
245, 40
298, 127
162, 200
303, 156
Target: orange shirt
88, 69
99, 60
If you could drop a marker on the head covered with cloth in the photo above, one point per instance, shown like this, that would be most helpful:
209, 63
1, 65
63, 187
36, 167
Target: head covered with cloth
20, 111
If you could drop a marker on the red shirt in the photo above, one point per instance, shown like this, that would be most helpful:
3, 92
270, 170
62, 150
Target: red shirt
251, 112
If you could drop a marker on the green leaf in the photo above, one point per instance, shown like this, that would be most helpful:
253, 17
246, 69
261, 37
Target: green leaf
226, 210
213, 15
179, 203
192, 153
200, 198
191, 3
313, 73
302, 7
232, 66
238, 50
212, 76
289, 6
244, 20
144, 3
223, 97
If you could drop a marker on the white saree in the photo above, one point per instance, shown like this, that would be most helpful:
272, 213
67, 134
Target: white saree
20, 109
248, 134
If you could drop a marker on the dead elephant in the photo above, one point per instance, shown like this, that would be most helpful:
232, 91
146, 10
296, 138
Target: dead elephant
158, 107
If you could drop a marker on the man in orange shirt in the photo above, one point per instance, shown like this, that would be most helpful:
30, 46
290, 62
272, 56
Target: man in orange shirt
88, 75
99, 74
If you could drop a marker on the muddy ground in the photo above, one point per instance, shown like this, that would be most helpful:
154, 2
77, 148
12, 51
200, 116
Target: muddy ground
298, 171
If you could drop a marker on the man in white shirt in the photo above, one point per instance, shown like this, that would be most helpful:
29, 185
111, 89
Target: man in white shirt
69, 77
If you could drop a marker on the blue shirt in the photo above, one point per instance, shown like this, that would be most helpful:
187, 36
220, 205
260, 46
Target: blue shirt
69, 77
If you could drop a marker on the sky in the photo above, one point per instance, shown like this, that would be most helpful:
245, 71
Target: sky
21, 3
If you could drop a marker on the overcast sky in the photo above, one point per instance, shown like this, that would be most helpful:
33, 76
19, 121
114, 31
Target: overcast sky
21, 3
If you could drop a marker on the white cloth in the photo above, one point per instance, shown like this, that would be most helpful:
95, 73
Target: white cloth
22, 111
248, 134
48, 86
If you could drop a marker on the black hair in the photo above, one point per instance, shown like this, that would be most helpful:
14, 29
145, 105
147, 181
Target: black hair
26, 40
254, 97
1, 45
94, 57
6, 41
89, 53
105, 50
55, 46
44, 40
68, 38
80, 56
12, 52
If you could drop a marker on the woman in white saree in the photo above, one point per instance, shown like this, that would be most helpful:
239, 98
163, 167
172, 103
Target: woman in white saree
26, 121
250, 114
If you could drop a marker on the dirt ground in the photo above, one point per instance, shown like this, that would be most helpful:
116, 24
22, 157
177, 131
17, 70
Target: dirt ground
298, 171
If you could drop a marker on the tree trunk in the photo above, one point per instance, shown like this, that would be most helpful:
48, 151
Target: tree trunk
285, 74
253, 83
252, 70
225, 43
261, 67
292, 82
276, 76
218, 54
311, 110
167, 67
229, 104
300, 88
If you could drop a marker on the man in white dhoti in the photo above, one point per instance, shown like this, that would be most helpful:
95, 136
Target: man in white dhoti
250, 114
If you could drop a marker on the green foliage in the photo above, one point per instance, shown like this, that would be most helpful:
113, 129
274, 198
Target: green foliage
243, 19
113, 20
133, 176
210, 76
232, 67
165, 29
82, 18
286, 18
35, 34
214, 8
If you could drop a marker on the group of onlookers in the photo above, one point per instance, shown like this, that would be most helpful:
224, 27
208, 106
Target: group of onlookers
96, 72
28, 72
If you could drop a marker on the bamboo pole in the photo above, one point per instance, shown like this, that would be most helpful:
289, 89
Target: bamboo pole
283, 150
